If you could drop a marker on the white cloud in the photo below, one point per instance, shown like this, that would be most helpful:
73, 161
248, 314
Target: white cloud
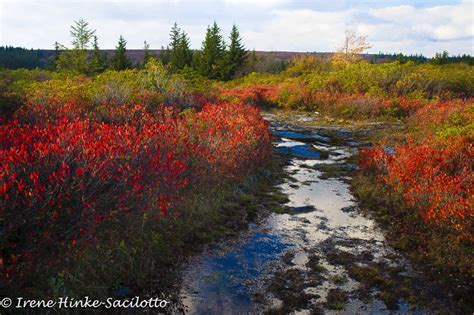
301, 30
264, 25
258, 3
448, 22
403, 28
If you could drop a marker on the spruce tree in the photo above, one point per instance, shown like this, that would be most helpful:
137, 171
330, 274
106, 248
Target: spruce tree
165, 55
236, 54
175, 35
181, 56
120, 61
98, 62
147, 55
211, 60
178, 53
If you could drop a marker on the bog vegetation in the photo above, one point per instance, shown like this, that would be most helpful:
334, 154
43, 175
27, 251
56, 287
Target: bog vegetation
100, 156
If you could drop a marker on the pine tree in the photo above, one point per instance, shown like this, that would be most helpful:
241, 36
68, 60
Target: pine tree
178, 53
181, 56
175, 35
236, 54
147, 55
120, 61
57, 50
165, 55
211, 60
98, 61
51, 62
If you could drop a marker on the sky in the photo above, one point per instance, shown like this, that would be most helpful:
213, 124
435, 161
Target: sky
391, 26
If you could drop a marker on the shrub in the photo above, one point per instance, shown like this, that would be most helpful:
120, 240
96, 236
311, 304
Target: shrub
70, 172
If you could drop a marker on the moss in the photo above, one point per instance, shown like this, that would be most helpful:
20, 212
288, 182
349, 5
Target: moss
339, 279
336, 299
339, 257
288, 286
368, 276
279, 197
314, 264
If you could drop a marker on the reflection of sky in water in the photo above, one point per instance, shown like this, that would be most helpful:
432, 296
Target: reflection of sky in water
223, 282
301, 150
320, 210
298, 136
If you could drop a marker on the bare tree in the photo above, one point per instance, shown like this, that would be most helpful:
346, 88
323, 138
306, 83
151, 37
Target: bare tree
354, 45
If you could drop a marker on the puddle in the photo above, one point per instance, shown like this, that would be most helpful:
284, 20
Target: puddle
277, 132
312, 259
222, 281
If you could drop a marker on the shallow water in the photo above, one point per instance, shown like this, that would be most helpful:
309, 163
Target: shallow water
323, 219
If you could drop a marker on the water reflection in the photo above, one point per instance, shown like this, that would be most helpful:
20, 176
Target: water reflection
321, 210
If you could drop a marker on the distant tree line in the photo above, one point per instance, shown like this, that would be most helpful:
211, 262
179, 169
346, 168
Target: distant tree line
215, 60
16, 57
438, 59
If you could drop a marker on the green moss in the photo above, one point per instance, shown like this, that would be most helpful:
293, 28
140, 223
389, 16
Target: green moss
368, 276
288, 286
336, 299
339, 279
279, 197
314, 264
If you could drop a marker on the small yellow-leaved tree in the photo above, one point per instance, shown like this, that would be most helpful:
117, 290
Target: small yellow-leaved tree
354, 45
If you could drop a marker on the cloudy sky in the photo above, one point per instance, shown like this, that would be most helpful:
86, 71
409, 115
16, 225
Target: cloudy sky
305, 25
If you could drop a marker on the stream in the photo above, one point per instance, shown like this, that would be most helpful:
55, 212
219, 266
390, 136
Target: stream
320, 257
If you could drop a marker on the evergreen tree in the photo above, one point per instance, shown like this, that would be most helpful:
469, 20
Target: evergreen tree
52, 61
75, 60
16, 57
98, 60
57, 50
181, 56
236, 54
147, 55
165, 55
81, 34
120, 61
175, 35
211, 60
440, 58
178, 54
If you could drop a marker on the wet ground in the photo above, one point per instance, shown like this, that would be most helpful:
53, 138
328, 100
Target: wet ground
321, 256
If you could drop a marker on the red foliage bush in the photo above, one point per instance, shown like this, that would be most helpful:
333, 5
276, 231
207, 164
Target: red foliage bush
68, 170
335, 103
256, 94
434, 174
